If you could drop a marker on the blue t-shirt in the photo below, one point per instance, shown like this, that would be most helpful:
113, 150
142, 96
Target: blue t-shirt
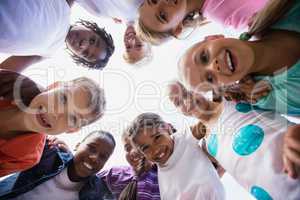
285, 96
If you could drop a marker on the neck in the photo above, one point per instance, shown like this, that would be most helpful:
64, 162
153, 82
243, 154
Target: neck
268, 60
73, 176
194, 5
12, 123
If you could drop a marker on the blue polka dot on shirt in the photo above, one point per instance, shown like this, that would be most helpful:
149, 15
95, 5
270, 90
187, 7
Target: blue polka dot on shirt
243, 107
248, 140
260, 194
213, 145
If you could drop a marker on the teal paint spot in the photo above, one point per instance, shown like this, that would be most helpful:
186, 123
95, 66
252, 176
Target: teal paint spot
243, 107
248, 140
213, 145
260, 194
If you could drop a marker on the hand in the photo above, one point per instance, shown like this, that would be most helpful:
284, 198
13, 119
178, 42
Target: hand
53, 141
247, 90
189, 103
25, 88
291, 151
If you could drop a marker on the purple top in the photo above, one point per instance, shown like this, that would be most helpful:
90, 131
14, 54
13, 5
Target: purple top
117, 179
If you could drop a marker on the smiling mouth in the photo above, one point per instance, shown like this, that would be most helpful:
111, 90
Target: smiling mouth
161, 155
229, 61
88, 166
42, 119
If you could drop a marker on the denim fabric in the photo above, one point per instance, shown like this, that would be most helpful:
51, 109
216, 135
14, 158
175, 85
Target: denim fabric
53, 161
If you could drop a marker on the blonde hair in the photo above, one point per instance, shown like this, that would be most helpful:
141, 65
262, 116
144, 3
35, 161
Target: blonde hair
269, 15
158, 38
97, 102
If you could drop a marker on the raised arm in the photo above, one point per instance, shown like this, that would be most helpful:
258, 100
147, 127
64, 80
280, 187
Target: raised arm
19, 63
193, 104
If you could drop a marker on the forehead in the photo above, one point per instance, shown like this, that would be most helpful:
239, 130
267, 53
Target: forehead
101, 143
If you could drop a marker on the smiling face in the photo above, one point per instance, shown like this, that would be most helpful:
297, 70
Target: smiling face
64, 108
215, 62
86, 44
136, 49
156, 144
92, 155
163, 15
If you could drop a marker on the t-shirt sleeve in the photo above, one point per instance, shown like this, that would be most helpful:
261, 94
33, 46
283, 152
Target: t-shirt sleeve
28, 153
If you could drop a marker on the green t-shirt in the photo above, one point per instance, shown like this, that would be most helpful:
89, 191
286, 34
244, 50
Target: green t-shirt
285, 96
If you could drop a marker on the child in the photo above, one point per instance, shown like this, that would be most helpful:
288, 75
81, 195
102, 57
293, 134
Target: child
138, 181
247, 143
137, 51
59, 175
217, 61
159, 19
36, 29
181, 175
63, 107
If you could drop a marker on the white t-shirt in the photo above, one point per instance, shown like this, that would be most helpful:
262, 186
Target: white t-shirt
189, 174
58, 188
123, 9
248, 144
33, 27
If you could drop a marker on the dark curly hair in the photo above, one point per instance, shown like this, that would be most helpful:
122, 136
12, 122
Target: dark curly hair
110, 48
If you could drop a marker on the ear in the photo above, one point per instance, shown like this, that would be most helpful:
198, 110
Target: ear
72, 130
54, 85
213, 37
175, 32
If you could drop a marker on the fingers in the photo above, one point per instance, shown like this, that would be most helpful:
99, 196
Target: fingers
289, 168
293, 155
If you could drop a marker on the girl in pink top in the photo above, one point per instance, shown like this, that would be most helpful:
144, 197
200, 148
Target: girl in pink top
160, 19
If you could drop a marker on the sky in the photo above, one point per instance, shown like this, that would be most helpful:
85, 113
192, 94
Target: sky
130, 90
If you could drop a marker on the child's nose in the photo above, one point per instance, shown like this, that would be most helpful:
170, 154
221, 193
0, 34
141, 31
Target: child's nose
215, 65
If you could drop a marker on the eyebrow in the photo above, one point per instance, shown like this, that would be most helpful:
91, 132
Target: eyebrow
148, 2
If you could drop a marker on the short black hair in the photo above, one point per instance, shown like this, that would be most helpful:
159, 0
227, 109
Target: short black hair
101, 134
110, 48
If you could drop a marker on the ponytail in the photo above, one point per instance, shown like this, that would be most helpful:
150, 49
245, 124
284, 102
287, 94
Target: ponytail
270, 14
130, 191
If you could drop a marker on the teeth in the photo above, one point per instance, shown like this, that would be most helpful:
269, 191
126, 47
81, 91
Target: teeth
229, 62
88, 166
161, 155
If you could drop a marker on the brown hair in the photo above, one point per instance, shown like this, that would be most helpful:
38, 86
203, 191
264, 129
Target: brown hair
130, 191
145, 121
18, 88
270, 14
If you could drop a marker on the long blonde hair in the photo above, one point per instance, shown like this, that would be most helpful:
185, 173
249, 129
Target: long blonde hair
157, 38
270, 14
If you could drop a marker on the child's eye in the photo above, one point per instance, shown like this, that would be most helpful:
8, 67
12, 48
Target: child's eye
153, 1
63, 98
73, 120
163, 16
92, 40
204, 57
144, 148
92, 149
189, 18
157, 137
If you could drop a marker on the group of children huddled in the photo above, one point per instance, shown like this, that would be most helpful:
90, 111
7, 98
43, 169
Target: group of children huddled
242, 130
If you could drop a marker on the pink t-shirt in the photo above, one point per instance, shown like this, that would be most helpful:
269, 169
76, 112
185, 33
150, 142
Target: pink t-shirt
232, 13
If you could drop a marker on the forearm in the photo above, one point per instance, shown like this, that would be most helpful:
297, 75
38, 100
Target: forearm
19, 63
